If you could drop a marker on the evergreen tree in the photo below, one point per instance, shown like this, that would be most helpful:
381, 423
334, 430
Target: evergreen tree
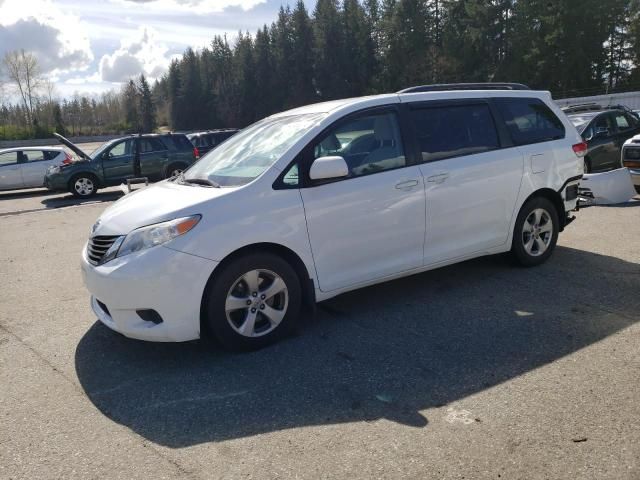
264, 72
190, 93
131, 100
328, 51
245, 93
57, 119
358, 49
282, 41
146, 106
302, 88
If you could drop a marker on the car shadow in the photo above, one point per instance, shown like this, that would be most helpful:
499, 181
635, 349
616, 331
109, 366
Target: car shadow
389, 351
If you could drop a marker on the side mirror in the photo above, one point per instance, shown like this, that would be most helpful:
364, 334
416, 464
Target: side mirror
325, 168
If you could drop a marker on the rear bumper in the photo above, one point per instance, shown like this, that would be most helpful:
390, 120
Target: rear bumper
635, 176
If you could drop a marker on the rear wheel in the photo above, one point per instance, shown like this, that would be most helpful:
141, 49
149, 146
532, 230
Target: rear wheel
253, 302
535, 233
83, 185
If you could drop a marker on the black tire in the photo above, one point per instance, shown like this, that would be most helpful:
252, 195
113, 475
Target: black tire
173, 168
88, 179
587, 165
219, 324
522, 236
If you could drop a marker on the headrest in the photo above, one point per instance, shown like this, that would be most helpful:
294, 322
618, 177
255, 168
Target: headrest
382, 129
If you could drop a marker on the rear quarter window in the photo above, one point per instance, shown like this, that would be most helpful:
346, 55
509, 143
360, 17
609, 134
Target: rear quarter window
178, 142
529, 120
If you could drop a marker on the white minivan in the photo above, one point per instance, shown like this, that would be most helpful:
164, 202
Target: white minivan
319, 200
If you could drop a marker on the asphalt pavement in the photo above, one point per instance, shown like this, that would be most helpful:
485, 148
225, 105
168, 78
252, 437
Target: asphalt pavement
478, 370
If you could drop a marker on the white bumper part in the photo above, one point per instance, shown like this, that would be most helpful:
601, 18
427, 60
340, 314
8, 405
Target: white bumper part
609, 187
160, 279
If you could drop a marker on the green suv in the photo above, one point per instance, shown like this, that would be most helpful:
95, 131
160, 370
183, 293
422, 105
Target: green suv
155, 156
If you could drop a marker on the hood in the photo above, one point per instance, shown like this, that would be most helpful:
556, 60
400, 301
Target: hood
72, 146
158, 203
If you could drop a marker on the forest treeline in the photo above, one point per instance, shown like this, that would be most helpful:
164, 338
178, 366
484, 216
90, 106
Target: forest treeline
351, 48
348, 48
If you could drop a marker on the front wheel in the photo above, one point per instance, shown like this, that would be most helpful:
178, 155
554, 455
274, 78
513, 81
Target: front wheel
253, 302
535, 233
83, 185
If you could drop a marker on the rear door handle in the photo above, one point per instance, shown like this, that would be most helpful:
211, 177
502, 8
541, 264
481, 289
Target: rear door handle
406, 185
439, 178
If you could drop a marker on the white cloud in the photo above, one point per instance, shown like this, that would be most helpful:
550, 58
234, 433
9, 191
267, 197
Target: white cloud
58, 39
141, 54
194, 6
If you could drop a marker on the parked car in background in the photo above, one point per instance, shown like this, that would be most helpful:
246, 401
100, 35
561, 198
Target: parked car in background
631, 159
206, 141
605, 131
316, 201
155, 156
25, 167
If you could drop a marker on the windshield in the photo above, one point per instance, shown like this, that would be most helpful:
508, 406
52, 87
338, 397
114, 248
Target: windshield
251, 151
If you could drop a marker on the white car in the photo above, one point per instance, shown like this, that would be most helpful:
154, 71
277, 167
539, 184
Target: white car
630, 158
25, 167
316, 201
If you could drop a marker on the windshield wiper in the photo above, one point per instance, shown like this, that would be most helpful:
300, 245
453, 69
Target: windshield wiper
198, 181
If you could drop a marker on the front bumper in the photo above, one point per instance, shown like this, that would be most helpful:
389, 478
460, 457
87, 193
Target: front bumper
55, 182
159, 278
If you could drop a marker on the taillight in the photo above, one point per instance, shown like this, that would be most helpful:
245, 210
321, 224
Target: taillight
67, 159
580, 149
196, 152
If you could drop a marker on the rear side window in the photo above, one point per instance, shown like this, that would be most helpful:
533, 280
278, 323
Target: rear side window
33, 155
50, 154
151, 145
454, 130
529, 120
179, 142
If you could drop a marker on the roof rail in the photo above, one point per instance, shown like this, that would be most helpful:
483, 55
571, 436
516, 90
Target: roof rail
582, 107
439, 87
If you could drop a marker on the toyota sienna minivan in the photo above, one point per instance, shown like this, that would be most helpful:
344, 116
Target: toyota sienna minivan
319, 200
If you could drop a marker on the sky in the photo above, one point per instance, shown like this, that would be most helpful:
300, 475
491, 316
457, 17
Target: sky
93, 46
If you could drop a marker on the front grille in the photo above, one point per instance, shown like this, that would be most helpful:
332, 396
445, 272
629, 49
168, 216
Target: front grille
98, 246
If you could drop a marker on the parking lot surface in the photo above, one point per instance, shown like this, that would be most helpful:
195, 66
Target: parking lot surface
479, 370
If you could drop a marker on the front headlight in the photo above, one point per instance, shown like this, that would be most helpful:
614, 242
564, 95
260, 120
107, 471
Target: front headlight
54, 169
157, 234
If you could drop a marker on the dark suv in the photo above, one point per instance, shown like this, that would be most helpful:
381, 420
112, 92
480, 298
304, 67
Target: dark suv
605, 130
154, 156
206, 141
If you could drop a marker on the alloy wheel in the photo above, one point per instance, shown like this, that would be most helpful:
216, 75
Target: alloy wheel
84, 186
256, 303
537, 232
